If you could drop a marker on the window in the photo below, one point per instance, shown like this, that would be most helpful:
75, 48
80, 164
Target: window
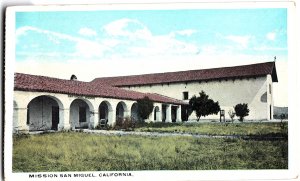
270, 89
185, 95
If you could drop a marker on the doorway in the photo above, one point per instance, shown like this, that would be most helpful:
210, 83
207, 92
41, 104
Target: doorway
55, 117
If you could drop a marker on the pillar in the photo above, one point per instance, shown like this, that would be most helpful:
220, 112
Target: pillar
169, 113
64, 119
22, 121
159, 116
178, 114
151, 116
94, 121
127, 113
111, 117
91, 120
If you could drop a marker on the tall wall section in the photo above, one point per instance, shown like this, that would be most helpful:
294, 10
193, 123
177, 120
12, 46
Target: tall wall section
229, 92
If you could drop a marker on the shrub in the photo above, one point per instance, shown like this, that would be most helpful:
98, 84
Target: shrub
126, 124
241, 110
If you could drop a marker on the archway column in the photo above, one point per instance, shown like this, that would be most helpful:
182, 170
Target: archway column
178, 114
112, 117
94, 117
151, 116
168, 113
158, 116
64, 123
22, 120
91, 120
127, 113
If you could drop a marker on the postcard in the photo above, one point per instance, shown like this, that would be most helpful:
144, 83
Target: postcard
157, 91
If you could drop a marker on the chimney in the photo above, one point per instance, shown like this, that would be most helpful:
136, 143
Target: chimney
73, 77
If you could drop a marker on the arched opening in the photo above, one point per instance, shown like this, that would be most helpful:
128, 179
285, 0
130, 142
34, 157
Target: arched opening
43, 113
120, 112
156, 113
105, 111
134, 113
80, 114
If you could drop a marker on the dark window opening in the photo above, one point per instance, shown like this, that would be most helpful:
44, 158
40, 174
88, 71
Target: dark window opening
185, 95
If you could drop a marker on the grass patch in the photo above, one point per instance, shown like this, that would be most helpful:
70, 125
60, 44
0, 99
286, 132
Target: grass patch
87, 152
244, 129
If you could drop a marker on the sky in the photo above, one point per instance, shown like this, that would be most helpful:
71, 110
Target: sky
105, 43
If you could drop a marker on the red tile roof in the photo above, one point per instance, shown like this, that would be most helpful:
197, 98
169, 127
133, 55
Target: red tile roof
245, 71
26, 82
106, 87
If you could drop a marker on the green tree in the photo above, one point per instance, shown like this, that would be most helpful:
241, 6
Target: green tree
145, 107
203, 105
241, 110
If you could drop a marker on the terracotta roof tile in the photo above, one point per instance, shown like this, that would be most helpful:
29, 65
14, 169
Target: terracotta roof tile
106, 87
253, 70
26, 82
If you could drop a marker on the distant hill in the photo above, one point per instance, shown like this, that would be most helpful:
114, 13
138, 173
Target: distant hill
280, 110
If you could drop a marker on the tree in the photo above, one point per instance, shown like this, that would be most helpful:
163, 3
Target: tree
241, 110
145, 107
203, 106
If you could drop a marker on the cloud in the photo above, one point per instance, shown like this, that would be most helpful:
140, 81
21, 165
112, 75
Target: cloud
271, 36
122, 38
268, 48
138, 40
128, 28
84, 48
22, 30
240, 40
187, 32
87, 32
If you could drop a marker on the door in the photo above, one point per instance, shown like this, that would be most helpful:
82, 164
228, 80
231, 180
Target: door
55, 117
82, 114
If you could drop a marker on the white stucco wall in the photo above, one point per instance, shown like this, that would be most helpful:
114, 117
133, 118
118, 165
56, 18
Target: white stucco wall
228, 92
68, 110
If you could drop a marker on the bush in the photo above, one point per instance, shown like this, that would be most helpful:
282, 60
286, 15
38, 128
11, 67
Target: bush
241, 110
126, 124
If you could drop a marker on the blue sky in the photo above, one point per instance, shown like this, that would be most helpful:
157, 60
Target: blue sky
111, 33
107, 43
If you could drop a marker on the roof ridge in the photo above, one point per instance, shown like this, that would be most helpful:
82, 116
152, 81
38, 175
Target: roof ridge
181, 71
36, 83
48, 77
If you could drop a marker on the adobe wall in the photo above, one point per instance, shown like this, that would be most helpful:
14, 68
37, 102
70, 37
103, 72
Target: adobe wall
253, 91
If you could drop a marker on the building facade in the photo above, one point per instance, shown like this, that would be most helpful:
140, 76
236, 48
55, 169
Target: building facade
44, 103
